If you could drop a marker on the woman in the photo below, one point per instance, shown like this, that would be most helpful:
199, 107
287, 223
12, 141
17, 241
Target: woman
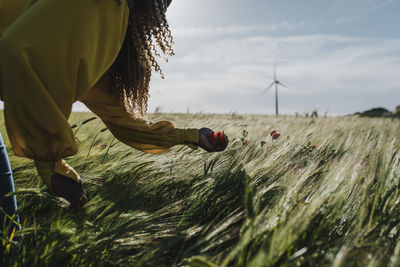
100, 52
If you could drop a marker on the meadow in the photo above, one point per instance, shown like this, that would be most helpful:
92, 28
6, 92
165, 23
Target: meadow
326, 193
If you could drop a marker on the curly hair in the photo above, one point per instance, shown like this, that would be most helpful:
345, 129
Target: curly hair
147, 38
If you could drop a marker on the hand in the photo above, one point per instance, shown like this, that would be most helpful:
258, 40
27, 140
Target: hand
69, 189
212, 142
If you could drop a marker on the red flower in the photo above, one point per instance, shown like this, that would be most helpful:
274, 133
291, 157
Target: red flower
275, 134
214, 136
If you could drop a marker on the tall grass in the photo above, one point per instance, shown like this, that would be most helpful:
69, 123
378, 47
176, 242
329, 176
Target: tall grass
325, 193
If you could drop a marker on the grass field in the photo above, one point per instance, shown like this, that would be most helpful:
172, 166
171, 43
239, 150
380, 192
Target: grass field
326, 193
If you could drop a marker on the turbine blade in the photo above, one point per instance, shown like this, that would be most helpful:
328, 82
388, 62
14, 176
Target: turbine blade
282, 84
269, 87
272, 84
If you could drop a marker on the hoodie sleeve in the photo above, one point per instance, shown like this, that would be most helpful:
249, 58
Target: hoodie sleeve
148, 137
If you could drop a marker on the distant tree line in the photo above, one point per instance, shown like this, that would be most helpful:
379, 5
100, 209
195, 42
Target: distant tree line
380, 112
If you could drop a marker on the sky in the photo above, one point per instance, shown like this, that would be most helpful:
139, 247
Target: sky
335, 56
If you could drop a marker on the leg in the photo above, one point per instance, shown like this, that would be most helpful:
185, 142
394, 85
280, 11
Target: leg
8, 204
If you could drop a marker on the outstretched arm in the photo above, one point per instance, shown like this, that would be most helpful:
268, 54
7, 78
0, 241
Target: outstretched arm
152, 138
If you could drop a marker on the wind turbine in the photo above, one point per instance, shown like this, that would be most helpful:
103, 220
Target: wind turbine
276, 83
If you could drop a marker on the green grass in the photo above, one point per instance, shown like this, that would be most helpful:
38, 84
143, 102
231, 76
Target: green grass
283, 204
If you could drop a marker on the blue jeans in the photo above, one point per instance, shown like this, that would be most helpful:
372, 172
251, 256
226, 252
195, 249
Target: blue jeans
8, 204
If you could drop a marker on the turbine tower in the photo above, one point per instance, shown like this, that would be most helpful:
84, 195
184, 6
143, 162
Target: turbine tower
276, 83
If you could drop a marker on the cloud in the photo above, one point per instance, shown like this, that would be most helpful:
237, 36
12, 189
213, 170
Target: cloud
345, 11
327, 71
236, 29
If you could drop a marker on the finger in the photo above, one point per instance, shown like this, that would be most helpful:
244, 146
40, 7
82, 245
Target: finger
225, 142
221, 146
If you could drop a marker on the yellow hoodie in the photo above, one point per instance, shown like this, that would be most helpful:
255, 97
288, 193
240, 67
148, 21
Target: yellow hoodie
56, 52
